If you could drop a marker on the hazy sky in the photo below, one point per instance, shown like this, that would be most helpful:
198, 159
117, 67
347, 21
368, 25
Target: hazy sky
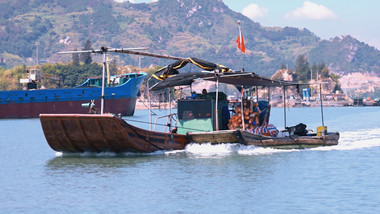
325, 18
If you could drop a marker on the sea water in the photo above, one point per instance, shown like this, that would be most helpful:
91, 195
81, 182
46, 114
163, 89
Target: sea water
228, 178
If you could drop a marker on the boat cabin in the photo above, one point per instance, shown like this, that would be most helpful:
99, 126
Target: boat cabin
115, 80
199, 113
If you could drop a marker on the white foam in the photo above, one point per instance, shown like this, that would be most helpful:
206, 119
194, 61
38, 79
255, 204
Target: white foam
263, 151
173, 152
209, 150
359, 139
226, 149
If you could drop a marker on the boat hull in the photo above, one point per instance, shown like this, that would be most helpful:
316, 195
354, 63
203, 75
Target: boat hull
248, 138
104, 133
31, 103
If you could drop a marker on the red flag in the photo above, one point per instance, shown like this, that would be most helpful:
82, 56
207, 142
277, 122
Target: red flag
240, 40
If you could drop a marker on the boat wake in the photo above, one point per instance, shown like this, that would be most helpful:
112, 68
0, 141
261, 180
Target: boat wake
359, 139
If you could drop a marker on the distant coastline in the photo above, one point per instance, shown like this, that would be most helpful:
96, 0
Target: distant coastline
144, 104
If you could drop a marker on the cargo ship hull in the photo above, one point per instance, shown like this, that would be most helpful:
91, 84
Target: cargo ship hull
119, 99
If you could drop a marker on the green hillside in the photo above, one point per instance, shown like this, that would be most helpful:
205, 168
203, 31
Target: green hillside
346, 54
204, 29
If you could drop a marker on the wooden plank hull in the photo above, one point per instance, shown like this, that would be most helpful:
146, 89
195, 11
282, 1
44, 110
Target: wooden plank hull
104, 133
248, 138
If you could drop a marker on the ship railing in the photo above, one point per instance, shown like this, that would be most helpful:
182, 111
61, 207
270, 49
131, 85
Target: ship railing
169, 119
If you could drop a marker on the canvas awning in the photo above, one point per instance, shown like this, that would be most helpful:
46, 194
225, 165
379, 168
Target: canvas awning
172, 69
237, 78
170, 76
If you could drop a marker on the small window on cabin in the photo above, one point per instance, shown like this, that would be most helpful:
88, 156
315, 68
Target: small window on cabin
195, 109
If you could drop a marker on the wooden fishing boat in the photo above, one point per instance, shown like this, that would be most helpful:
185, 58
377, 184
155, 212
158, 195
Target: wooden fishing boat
104, 133
202, 119
248, 138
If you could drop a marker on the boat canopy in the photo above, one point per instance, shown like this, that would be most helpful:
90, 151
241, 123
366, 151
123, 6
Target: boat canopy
170, 76
172, 69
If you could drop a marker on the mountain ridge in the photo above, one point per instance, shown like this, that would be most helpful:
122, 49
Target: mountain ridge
204, 29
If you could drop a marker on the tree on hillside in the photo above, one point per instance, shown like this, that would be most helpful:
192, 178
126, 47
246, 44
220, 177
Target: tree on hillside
9, 78
313, 71
320, 71
335, 77
113, 66
324, 71
74, 75
86, 57
75, 58
302, 68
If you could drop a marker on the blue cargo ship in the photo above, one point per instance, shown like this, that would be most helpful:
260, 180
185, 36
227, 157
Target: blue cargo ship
120, 98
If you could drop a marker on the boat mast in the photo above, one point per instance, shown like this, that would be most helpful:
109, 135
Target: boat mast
103, 82
257, 94
242, 108
150, 104
285, 107
170, 109
216, 104
287, 70
241, 46
320, 97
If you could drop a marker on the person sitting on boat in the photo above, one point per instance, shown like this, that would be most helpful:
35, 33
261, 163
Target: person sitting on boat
255, 116
193, 95
204, 91
203, 95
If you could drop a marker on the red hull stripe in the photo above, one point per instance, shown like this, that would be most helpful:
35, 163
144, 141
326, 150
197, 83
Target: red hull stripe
124, 106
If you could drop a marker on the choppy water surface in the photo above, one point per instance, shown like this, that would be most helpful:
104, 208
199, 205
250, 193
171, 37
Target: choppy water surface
227, 178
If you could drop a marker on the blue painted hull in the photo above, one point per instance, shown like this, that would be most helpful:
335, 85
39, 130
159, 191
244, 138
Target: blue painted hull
31, 103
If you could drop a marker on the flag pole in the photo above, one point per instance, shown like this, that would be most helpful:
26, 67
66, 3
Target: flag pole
240, 42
